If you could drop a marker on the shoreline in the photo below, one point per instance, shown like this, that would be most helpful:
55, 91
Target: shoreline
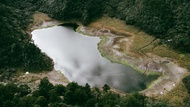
119, 49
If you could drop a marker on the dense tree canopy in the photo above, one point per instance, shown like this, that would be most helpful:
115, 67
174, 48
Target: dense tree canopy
17, 50
186, 81
73, 95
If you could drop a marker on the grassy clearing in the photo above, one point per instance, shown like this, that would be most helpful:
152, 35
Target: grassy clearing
114, 24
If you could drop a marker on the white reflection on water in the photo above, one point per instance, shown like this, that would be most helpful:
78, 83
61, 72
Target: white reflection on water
79, 60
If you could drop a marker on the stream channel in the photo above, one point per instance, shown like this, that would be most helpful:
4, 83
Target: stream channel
77, 57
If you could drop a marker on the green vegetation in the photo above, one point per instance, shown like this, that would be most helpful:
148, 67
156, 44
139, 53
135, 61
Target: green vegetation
84, 11
186, 82
73, 95
18, 51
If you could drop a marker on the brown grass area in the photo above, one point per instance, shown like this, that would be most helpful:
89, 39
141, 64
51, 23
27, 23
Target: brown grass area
142, 39
41, 16
38, 19
115, 25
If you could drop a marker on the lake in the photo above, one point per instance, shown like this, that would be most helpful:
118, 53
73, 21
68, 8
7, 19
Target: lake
78, 58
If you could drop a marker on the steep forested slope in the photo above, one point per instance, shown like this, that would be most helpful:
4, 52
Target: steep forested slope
17, 50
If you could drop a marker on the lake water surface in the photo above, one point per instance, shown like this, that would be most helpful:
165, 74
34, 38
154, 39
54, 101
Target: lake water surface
78, 58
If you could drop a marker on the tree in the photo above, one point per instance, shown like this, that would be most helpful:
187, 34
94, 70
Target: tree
96, 93
69, 97
186, 82
135, 100
9, 91
87, 89
8, 103
72, 86
81, 96
131, 101
42, 101
90, 103
25, 101
141, 99
106, 88
60, 89
54, 96
24, 90
44, 87
109, 99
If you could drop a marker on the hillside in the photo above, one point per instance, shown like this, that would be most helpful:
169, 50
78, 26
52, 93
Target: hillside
17, 49
167, 20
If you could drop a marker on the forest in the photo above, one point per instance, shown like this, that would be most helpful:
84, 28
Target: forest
17, 49
72, 95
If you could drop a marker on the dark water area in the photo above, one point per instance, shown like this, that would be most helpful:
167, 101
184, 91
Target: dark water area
70, 25
78, 58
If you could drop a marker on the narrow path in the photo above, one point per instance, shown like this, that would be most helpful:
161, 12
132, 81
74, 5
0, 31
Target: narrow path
147, 44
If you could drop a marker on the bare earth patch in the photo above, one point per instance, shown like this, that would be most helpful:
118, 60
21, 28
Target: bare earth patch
42, 20
33, 79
